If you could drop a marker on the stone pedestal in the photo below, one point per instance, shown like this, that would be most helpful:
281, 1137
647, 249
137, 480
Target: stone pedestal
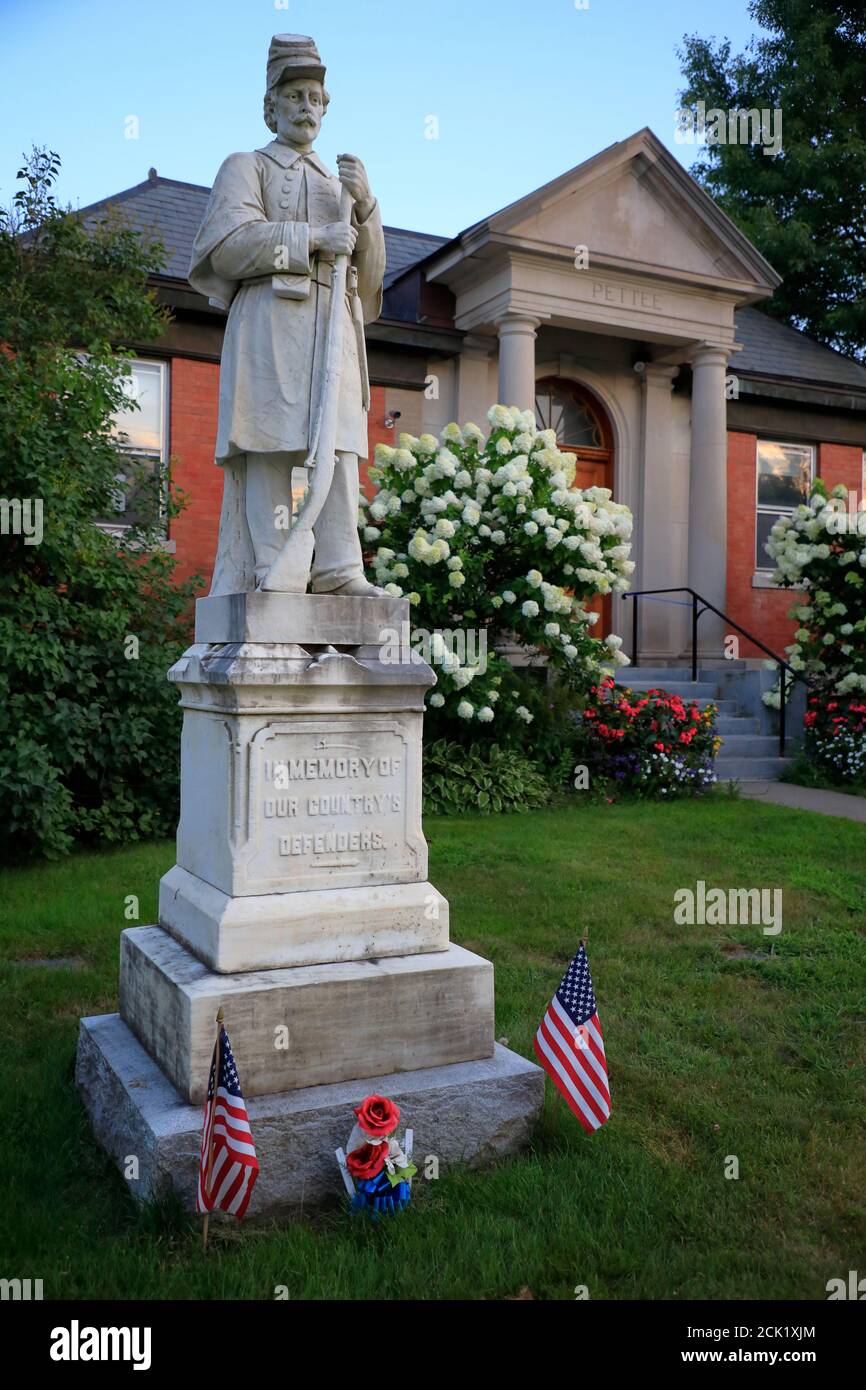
300, 788
299, 904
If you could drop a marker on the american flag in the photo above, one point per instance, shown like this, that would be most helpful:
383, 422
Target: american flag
228, 1166
570, 1047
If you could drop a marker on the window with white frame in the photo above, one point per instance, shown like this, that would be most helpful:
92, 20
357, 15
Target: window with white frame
141, 433
784, 475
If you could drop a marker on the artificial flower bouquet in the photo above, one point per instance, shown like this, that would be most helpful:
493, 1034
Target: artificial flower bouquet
379, 1169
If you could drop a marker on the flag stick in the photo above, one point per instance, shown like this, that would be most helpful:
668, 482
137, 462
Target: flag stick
215, 1064
557, 1097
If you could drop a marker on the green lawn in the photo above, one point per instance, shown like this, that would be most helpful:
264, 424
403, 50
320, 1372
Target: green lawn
711, 1054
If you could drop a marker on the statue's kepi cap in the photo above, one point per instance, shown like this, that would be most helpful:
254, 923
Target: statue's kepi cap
293, 55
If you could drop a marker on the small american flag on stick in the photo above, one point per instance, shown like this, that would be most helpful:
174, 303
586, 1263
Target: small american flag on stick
228, 1166
570, 1047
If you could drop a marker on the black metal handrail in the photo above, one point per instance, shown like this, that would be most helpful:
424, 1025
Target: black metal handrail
708, 607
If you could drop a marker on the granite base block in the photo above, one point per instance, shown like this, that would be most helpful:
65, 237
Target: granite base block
306, 1026
467, 1113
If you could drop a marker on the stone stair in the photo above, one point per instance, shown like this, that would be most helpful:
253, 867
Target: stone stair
746, 754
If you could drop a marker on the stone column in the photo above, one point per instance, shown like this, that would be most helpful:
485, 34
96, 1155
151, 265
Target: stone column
517, 360
708, 493
663, 520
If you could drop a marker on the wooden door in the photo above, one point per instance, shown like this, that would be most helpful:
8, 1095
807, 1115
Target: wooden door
584, 431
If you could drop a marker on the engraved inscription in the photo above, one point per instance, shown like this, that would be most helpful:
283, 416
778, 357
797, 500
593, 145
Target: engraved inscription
625, 295
331, 803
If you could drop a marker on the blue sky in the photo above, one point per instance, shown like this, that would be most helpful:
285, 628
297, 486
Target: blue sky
521, 89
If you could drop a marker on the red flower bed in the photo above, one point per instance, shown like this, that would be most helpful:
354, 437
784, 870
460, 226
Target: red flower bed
650, 742
836, 735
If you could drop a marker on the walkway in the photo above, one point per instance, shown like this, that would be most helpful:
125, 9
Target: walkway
807, 799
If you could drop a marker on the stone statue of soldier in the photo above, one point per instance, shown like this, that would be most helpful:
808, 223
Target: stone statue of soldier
264, 252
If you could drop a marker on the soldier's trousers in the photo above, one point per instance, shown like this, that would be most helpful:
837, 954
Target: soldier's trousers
269, 503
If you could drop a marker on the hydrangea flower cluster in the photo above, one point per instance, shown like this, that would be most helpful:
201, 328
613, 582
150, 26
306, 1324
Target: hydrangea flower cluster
821, 549
488, 534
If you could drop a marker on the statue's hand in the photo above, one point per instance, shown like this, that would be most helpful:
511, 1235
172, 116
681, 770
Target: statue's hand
353, 176
333, 239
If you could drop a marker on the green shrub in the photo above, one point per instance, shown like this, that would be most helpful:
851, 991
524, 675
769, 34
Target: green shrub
89, 621
481, 777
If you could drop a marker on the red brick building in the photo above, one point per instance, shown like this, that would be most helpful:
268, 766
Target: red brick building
617, 300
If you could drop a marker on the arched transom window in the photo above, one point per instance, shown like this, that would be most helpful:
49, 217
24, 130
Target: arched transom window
565, 407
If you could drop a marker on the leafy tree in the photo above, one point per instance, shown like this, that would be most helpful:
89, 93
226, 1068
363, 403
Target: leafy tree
89, 621
804, 208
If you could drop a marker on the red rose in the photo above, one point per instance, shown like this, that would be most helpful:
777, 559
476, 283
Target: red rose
377, 1115
366, 1161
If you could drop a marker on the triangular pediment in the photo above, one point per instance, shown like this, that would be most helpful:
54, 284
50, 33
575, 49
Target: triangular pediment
635, 207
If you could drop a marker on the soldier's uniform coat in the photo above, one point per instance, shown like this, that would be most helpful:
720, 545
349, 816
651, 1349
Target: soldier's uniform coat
258, 218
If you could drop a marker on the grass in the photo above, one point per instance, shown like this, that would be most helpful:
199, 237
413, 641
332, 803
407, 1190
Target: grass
712, 1054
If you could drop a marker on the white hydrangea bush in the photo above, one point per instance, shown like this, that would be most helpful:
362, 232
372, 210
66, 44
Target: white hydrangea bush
820, 549
488, 535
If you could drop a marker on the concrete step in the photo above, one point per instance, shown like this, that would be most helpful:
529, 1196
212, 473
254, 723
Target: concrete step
687, 690
706, 671
750, 769
748, 746
726, 707
656, 675
728, 724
